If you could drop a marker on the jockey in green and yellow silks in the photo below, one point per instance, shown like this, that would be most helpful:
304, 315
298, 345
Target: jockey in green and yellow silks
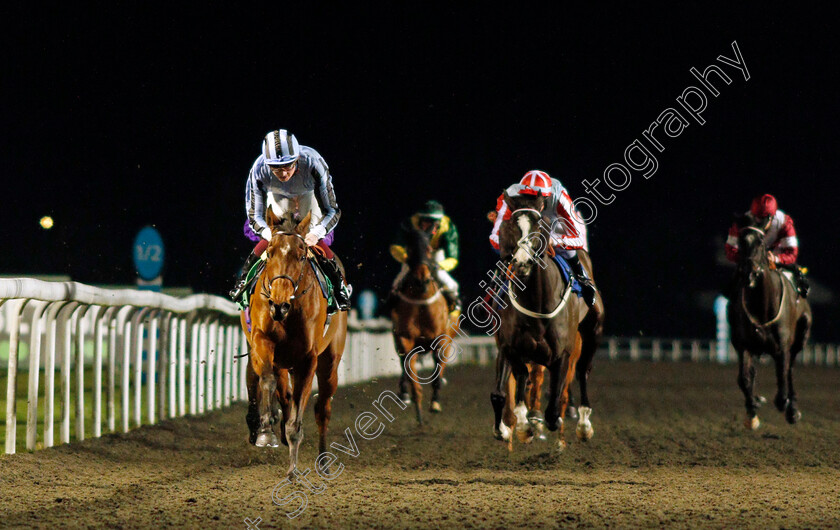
443, 238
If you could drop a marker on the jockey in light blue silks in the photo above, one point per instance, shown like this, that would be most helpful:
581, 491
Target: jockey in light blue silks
291, 177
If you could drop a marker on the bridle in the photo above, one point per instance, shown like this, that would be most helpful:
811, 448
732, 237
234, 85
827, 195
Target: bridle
266, 286
566, 292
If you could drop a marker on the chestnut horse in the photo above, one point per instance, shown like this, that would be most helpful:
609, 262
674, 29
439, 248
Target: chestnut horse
543, 325
421, 323
766, 315
290, 338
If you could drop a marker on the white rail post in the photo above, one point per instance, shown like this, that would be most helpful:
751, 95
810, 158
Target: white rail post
202, 364
34, 370
80, 372
235, 362
228, 365
99, 338
162, 363
126, 320
656, 350
635, 352
111, 317
139, 325
612, 348
182, 366
15, 309
49, 373
195, 339
151, 356
676, 350
212, 361
220, 364
172, 365
66, 324
243, 367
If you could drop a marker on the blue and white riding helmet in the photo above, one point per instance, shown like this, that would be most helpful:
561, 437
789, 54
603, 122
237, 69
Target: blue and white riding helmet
280, 148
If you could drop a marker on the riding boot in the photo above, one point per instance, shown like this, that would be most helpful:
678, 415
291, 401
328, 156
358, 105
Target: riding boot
802, 283
587, 285
237, 291
341, 290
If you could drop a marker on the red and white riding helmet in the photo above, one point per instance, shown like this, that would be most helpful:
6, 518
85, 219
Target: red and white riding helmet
764, 205
536, 182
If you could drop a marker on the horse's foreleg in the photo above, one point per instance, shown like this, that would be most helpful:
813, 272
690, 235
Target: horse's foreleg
746, 381
302, 387
262, 364
498, 398
440, 366
327, 383
284, 397
252, 418
781, 359
525, 431
535, 415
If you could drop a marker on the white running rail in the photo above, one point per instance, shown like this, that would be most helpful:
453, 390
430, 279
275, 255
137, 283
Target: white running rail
170, 353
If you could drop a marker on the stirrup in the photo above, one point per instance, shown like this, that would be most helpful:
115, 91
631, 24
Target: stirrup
237, 291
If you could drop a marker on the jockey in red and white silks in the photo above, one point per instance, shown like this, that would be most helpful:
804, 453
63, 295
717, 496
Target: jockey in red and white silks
568, 231
567, 235
780, 239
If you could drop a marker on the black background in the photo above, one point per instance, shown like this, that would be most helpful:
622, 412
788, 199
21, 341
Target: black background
130, 115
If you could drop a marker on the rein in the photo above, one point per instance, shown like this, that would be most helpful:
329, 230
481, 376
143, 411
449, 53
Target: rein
771, 266
754, 321
266, 286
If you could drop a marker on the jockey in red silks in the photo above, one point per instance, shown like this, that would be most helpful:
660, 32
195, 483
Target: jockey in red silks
567, 236
780, 238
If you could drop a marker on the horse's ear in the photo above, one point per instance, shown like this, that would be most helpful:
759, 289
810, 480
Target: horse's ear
271, 218
302, 227
509, 201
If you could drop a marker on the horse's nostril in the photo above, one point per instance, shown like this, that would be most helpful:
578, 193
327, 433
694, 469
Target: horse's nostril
284, 307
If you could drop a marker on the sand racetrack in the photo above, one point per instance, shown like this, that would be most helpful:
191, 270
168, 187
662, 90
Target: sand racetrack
669, 450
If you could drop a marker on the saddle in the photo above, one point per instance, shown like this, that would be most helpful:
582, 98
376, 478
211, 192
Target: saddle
327, 289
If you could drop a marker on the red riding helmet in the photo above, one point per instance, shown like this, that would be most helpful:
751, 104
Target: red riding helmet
764, 206
536, 182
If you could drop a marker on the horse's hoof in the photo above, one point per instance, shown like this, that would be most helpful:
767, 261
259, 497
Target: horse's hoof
752, 423
535, 417
405, 397
502, 433
526, 433
266, 439
435, 407
792, 415
443, 381
584, 430
571, 413
760, 400
781, 404
542, 437
560, 447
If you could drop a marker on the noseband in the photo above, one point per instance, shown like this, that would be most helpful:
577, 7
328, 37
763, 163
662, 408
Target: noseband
266, 287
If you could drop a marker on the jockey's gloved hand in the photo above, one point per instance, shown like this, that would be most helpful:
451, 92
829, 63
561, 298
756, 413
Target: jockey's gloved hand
315, 234
448, 264
266, 233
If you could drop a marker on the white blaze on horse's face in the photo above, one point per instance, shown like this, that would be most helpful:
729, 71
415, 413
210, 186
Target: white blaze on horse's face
522, 257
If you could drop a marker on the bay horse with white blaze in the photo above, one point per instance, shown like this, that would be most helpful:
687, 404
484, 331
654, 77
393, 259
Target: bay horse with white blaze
544, 325
290, 338
766, 315
421, 323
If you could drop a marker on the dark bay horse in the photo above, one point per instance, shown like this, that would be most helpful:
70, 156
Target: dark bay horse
766, 315
290, 342
421, 323
543, 325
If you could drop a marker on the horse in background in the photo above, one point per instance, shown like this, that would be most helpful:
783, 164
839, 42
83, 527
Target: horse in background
290, 342
766, 315
421, 323
543, 326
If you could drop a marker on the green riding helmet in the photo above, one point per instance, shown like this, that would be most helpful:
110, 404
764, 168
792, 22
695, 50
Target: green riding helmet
432, 210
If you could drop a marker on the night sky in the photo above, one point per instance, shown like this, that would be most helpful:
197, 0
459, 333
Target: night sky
133, 115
